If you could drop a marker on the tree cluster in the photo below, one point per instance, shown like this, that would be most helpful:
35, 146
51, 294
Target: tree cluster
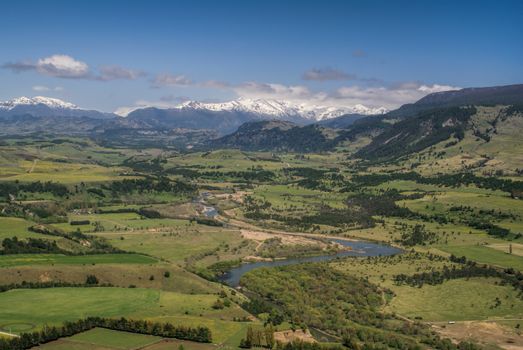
13, 188
470, 269
29, 246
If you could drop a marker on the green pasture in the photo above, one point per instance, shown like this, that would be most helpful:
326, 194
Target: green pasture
53, 306
11, 227
486, 255
459, 300
59, 259
178, 244
114, 339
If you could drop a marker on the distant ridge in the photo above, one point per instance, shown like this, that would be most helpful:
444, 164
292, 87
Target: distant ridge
341, 122
40, 106
275, 135
495, 95
272, 109
504, 95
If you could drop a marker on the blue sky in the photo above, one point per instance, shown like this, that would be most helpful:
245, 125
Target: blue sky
111, 54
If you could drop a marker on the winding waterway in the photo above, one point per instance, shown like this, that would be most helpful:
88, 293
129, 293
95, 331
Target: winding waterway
358, 248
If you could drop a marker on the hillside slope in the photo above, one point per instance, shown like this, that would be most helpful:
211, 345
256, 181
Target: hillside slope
276, 136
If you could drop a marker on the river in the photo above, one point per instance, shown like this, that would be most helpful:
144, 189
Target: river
358, 248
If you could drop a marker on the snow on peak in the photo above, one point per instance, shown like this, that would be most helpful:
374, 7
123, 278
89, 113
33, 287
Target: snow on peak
281, 109
37, 100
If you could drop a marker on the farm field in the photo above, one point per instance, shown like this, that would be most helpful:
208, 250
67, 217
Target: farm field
102, 339
60, 172
166, 277
458, 300
114, 339
40, 307
178, 244
486, 255
10, 227
120, 222
51, 259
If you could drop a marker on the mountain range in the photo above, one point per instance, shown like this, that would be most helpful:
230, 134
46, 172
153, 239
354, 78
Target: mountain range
274, 109
272, 125
37, 114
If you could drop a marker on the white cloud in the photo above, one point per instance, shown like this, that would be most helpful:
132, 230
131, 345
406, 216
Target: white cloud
125, 110
436, 88
216, 84
270, 90
326, 74
65, 66
389, 97
359, 53
62, 66
167, 79
40, 88
116, 72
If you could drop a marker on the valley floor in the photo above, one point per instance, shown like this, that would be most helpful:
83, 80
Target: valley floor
128, 233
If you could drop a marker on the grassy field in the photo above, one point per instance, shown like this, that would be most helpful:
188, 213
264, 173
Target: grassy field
10, 227
517, 249
176, 245
114, 339
59, 259
281, 196
224, 331
381, 270
169, 344
67, 173
64, 344
486, 255
120, 275
116, 222
441, 203
461, 299
38, 307
105, 339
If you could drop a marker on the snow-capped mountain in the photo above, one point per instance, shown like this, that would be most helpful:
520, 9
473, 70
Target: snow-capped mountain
226, 117
40, 106
37, 100
279, 109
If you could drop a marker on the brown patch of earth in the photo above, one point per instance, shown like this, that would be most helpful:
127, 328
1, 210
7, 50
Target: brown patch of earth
289, 336
236, 196
286, 239
261, 236
482, 332
45, 277
178, 211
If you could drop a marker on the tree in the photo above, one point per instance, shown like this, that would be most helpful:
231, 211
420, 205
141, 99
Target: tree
218, 305
249, 337
276, 317
91, 280
351, 342
269, 336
